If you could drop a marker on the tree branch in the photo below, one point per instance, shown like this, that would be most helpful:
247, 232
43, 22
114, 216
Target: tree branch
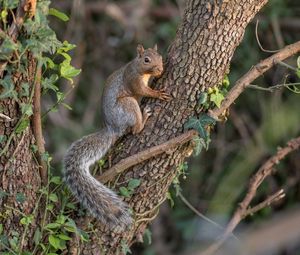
37, 125
242, 211
253, 74
144, 155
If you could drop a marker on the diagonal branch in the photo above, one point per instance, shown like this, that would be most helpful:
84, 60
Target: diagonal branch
253, 74
242, 211
144, 155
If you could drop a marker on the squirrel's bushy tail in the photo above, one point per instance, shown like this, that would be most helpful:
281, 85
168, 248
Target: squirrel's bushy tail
102, 202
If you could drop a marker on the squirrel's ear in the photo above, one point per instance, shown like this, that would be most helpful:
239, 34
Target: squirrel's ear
140, 50
155, 47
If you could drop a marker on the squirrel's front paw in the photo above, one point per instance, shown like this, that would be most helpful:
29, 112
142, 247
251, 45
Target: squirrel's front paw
163, 95
146, 113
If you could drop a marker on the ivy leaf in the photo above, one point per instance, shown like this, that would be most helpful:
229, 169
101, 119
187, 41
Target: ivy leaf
200, 125
133, 183
20, 197
124, 192
22, 126
64, 237
52, 225
147, 237
217, 98
8, 88
37, 236
58, 14
68, 71
53, 197
54, 241
26, 109
48, 83
199, 145
56, 180
66, 46
298, 72
202, 98
7, 47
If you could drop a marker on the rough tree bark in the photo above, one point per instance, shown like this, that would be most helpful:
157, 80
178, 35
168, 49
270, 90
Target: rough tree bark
198, 58
19, 170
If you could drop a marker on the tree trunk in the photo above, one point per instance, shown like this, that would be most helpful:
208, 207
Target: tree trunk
19, 170
198, 59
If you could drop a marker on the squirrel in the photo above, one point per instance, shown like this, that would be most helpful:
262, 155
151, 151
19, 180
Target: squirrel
121, 112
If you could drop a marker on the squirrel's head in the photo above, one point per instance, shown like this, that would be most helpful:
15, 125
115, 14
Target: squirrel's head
149, 61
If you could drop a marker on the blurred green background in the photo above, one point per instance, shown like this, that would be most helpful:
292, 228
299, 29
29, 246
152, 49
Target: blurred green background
106, 34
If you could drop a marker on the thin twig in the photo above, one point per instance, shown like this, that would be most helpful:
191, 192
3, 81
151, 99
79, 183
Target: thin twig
267, 202
242, 210
189, 205
142, 156
251, 75
5, 117
258, 42
37, 126
272, 88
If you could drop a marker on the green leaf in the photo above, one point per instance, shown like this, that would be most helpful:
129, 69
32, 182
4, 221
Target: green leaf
217, 98
25, 89
2, 139
26, 220
169, 197
125, 247
194, 123
200, 125
53, 197
66, 46
64, 237
147, 237
58, 14
124, 192
70, 226
20, 197
22, 126
10, 4
54, 241
8, 88
133, 183
1, 228
48, 83
70, 205
61, 219
26, 109
298, 72
8, 46
199, 145
3, 194
202, 98
4, 14
226, 82
67, 71
37, 236
56, 179
53, 225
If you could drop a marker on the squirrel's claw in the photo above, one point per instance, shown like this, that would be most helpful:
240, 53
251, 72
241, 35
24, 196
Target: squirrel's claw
163, 95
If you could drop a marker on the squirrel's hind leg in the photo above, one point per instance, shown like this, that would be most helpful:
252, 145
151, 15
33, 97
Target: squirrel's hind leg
133, 110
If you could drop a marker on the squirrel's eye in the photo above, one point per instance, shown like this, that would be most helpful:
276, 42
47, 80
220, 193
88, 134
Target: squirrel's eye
147, 60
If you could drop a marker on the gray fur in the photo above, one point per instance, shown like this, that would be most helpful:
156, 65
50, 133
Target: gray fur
103, 203
122, 92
